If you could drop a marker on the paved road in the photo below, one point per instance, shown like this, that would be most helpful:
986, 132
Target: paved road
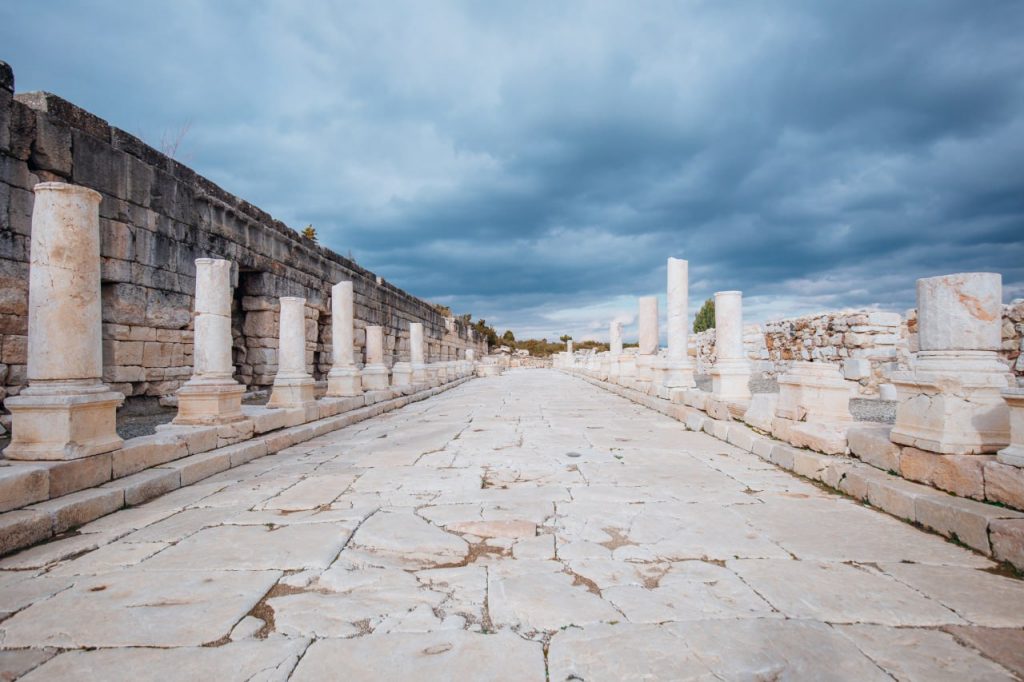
512, 528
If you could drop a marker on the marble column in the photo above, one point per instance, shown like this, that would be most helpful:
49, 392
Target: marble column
678, 368
614, 349
375, 373
420, 375
66, 412
293, 386
648, 347
731, 372
343, 380
951, 401
211, 396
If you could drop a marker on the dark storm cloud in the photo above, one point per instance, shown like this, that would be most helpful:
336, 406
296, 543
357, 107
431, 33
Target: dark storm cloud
535, 163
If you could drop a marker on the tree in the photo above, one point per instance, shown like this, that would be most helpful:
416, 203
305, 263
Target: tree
508, 338
564, 338
309, 232
483, 331
705, 318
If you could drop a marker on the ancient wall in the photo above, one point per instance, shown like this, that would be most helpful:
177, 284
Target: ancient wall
157, 216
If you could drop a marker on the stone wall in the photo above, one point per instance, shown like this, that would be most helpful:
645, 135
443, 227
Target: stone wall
867, 345
156, 217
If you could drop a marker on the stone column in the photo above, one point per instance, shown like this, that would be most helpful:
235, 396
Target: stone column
1014, 453
375, 373
211, 396
343, 380
678, 368
66, 412
731, 372
420, 375
614, 349
951, 402
649, 341
293, 386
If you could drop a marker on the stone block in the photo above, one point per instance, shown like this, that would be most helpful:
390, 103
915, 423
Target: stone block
146, 485
245, 452
235, 432
124, 303
695, 421
197, 467
260, 323
264, 419
784, 456
138, 454
15, 350
51, 148
22, 484
856, 369
961, 475
78, 474
22, 528
99, 166
855, 482
741, 437
78, 509
966, 520
1004, 483
895, 496
1007, 537
870, 443
122, 352
763, 447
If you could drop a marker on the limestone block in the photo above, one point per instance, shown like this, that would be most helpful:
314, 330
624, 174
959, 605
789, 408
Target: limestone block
829, 438
1004, 483
813, 392
1007, 537
146, 485
138, 454
21, 485
968, 520
23, 527
856, 369
959, 474
78, 474
870, 443
887, 392
77, 509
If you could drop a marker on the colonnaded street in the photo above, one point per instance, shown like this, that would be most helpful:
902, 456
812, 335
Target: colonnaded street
522, 527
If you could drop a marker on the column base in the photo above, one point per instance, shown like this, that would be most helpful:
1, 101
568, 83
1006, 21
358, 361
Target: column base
951, 403
216, 401
50, 425
292, 392
344, 382
730, 381
420, 374
678, 374
375, 377
813, 392
401, 374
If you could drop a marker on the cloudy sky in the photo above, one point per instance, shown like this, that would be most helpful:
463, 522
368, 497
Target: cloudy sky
534, 163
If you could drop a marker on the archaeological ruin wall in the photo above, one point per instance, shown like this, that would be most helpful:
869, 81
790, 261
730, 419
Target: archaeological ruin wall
156, 217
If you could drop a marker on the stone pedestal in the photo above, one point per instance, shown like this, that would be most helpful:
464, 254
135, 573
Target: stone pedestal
951, 401
375, 372
627, 366
1014, 453
813, 392
401, 374
344, 379
211, 396
66, 412
730, 374
293, 386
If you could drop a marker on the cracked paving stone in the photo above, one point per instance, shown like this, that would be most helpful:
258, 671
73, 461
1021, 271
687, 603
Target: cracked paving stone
454, 538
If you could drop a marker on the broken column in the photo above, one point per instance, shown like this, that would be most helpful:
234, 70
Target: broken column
211, 396
343, 380
293, 386
66, 412
419, 367
951, 402
375, 373
731, 372
678, 370
813, 407
648, 347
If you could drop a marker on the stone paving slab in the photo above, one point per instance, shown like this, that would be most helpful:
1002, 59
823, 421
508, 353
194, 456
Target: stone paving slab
523, 527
